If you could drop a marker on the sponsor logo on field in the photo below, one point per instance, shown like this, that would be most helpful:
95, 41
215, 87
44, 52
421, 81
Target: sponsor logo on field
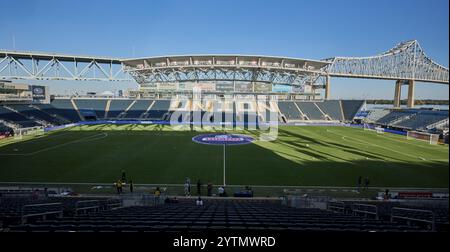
220, 139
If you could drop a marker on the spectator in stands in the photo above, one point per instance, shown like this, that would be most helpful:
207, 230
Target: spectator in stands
131, 186
169, 200
35, 194
199, 187
209, 188
199, 202
221, 191
366, 183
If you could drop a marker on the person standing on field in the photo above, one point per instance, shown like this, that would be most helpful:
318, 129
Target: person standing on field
188, 182
131, 186
199, 187
119, 186
210, 188
359, 183
366, 183
186, 189
124, 177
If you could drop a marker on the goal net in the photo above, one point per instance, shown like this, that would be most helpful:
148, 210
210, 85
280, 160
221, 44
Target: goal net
374, 128
34, 131
423, 136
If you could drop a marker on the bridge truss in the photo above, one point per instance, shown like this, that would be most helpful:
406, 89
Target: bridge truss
44, 66
406, 61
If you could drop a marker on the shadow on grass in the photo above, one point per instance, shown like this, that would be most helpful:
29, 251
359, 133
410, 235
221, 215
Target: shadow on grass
166, 157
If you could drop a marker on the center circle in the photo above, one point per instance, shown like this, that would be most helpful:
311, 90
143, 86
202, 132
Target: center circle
221, 139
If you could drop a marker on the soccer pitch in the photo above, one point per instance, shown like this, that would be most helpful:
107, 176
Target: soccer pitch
155, 154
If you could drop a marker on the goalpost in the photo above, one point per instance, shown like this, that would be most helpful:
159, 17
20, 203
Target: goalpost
423, 136
34, 131
369, 127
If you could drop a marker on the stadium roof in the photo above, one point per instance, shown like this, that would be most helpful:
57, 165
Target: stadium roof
226, 61
257, 68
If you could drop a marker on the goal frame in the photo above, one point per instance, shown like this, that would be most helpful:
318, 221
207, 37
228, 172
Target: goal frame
34, 131
432, 139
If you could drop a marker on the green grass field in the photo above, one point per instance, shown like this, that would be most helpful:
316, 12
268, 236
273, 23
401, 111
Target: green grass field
152, 154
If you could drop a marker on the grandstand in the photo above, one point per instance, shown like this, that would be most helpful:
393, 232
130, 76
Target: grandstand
61, 111
46, 211
410, 119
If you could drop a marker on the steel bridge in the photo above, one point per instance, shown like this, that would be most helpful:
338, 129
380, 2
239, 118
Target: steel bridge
406, 63
46, 66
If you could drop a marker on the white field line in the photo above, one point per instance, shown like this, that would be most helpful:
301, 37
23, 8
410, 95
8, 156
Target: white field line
413, 144
375, 145
89, 138
30, 138
254, 186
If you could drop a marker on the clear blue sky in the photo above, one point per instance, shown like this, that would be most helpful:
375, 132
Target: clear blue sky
306, 29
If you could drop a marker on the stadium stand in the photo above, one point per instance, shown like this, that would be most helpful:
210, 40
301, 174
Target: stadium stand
158, 110
53, 112
34, 113
137, 109
375, 114
64, 111
5, 130
394, 116
350, 108
421, 119
214, 215
63, 108
410, 119
332, 109
289, 110
426, 214
14, 117
98, 106
117, 107
311, 110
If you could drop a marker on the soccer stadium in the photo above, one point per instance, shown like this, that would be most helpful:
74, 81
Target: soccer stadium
225, 142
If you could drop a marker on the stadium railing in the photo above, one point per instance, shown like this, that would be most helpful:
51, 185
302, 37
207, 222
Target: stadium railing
414, 215
366, 210
41, 212
336, 206
113, 203
96, 207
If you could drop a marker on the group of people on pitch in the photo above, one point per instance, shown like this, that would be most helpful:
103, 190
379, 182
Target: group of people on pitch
187, 188
363, 184
122, 182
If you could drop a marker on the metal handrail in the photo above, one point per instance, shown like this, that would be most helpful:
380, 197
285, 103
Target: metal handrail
24, 216
432, 221
336, 208
77, 208
365, 211
110, 204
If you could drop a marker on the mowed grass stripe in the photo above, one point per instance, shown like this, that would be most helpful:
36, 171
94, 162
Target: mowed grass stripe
301, 156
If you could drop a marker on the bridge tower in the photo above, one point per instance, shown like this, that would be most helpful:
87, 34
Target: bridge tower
398, 93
